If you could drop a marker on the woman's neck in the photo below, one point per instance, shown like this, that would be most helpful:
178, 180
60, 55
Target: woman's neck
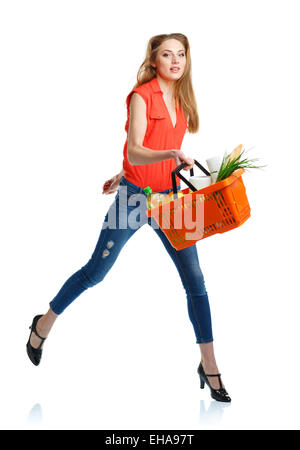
166, 86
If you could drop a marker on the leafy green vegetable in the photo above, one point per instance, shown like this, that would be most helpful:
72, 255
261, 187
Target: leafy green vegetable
228, 167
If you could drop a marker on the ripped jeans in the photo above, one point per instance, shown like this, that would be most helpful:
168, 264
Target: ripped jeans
119, 225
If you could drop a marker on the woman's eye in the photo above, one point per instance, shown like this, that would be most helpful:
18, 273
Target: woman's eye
168, 54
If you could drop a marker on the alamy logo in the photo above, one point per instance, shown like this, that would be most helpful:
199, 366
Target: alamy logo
129, 211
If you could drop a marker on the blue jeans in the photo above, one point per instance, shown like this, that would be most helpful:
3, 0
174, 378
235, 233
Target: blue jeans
119, 225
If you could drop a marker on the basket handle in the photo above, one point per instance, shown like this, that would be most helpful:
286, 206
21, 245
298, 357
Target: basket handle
176, 172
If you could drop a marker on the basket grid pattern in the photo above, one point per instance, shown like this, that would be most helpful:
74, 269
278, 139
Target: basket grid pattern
225, 206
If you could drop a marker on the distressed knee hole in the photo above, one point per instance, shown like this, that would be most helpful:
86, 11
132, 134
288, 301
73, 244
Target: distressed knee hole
110, 244
105, 253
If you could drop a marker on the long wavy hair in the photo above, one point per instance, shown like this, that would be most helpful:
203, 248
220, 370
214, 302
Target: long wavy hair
183, 88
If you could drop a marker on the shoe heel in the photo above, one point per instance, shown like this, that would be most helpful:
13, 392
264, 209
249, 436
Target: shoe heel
201, 384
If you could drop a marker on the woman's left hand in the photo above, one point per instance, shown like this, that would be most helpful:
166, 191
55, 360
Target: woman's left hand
180, 158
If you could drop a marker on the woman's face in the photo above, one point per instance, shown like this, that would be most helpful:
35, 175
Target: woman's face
171, 54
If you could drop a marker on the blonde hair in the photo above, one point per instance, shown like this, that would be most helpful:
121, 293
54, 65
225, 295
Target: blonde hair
183, 89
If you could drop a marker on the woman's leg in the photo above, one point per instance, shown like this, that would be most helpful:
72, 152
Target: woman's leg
187, 264
114, 234
43, 327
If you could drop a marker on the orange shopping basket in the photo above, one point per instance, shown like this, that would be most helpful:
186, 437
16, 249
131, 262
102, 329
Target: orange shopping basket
221, 207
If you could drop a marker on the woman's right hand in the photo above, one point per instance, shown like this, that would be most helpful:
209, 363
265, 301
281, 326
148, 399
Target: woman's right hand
110, 186
180, 158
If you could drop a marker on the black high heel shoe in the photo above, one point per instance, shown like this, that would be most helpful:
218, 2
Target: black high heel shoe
35, 354
221, 395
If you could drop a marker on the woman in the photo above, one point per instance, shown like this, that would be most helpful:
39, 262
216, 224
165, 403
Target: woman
160, 109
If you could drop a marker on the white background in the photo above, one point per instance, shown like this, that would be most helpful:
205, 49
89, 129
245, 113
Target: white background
123, 355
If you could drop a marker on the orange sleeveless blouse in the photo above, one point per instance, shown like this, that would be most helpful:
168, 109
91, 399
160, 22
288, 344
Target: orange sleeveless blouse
160, 135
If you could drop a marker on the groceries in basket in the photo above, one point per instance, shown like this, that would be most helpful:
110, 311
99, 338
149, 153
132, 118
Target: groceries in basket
155, 199
200, 182
235, 161
214, 165
217, 207
222, 168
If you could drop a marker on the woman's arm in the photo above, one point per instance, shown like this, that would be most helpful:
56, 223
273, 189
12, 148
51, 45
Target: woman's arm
136, 153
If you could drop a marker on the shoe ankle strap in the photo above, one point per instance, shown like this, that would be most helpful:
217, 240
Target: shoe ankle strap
34, 330
43, 338
219, 376
33, 327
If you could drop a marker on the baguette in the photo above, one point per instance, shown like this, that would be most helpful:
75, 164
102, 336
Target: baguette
236, 152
